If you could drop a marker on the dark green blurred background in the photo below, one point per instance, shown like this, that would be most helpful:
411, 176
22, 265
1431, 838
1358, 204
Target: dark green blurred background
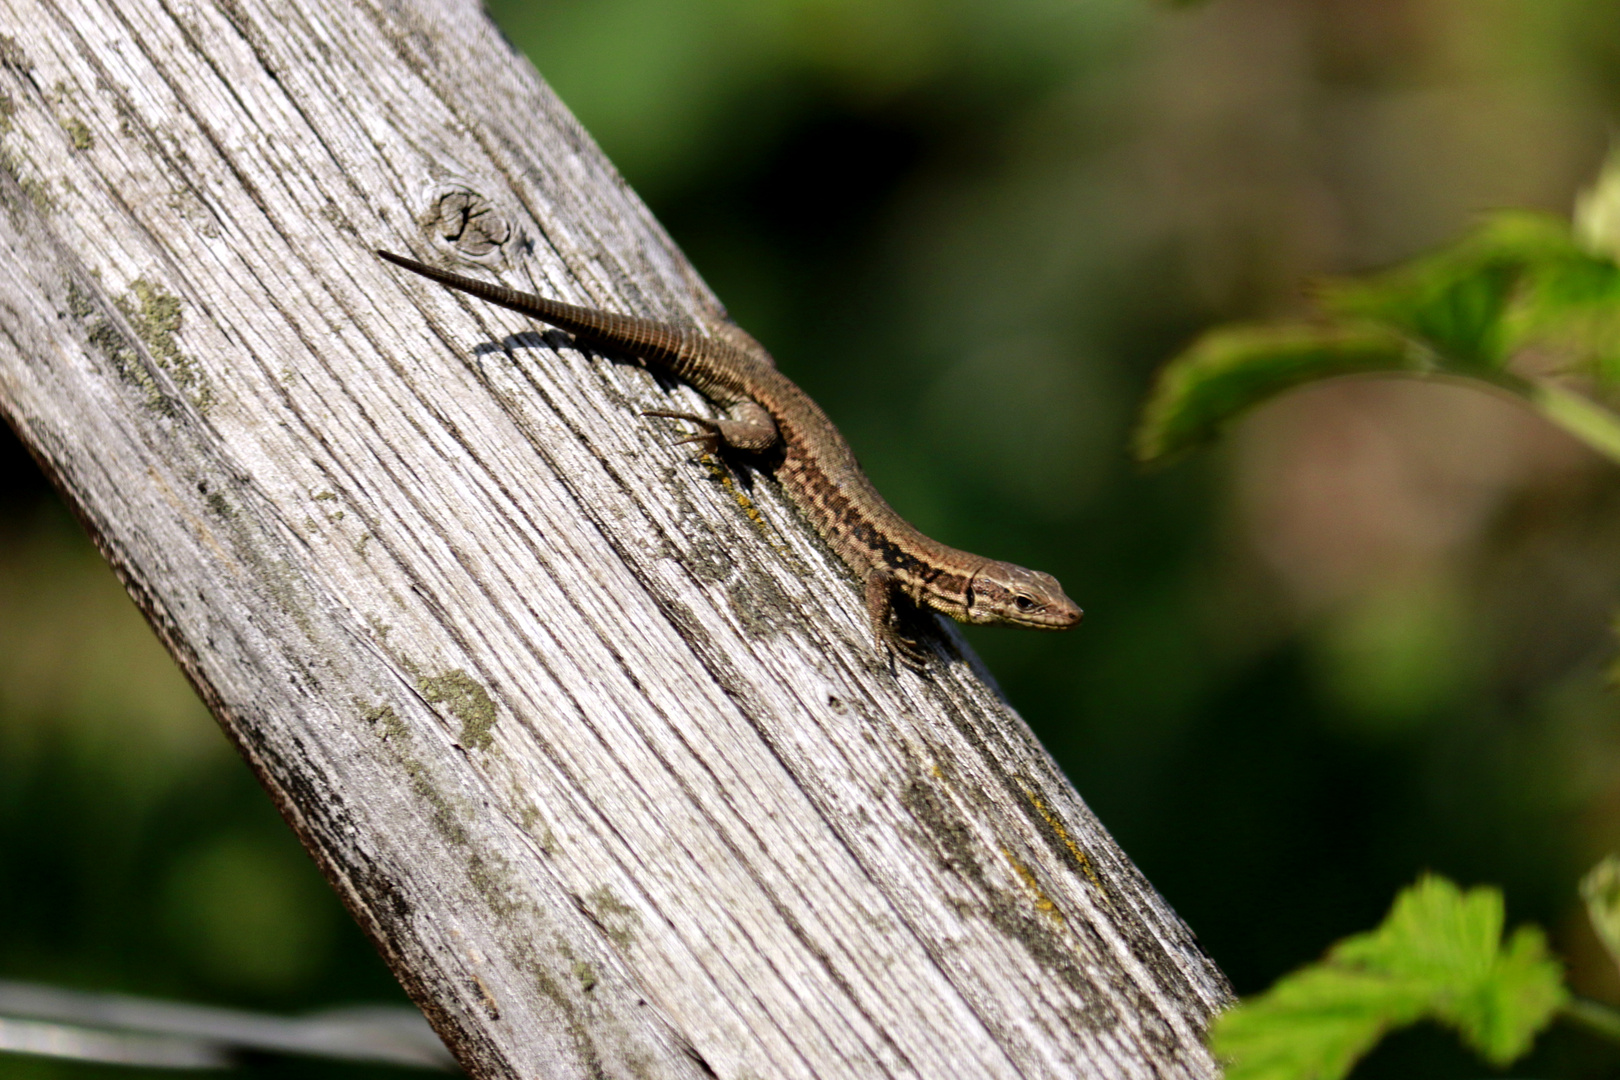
1365, 637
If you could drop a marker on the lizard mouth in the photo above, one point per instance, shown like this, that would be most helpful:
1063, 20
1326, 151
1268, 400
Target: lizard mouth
1054, 617
1062, 618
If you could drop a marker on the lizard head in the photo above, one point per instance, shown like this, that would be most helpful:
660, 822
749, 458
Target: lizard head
1003, 593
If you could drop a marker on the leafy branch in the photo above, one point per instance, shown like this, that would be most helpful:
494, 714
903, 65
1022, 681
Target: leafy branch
1524, 305
1440, 956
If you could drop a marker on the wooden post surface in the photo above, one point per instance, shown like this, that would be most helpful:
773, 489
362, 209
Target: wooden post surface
590, 735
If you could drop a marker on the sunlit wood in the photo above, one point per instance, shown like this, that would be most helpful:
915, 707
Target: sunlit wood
590, 735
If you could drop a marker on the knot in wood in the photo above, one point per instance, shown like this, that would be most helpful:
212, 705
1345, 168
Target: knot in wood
469, 221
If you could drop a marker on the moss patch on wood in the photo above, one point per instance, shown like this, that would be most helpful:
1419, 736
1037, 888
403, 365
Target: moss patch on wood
616, 919
1061, 834
155, 316
38, 191
12, 54
386, 721
445, 815
116, 347
1043, 903
78, 133
467, 701
1043, 935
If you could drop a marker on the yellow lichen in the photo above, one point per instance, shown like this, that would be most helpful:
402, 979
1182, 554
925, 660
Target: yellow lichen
1043, 903
1056, 826
720, 473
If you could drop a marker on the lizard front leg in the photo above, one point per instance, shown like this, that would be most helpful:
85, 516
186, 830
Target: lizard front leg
880, 607
749, 427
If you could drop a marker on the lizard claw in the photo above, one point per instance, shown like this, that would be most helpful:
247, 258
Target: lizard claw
671, 415
887, 622
708, 439
908, 650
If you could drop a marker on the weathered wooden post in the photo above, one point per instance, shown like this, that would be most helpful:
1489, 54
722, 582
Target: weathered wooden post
590, 737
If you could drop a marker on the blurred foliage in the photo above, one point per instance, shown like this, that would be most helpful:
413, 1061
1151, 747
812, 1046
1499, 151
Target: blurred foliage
137, 852
1600, 888
1518, 288
1399, 654
1439, 955
973, 231
274, 935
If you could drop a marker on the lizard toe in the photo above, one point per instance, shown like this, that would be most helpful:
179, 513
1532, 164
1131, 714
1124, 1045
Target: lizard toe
909, 651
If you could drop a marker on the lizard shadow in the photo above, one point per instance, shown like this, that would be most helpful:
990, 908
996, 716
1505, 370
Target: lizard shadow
745, 466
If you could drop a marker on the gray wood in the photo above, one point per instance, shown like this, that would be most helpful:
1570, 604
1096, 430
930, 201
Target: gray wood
592, 742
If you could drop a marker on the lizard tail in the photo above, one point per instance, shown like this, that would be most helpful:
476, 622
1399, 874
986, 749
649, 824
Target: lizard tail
655, 342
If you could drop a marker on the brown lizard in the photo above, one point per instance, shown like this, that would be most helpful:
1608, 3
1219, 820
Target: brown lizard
817, 470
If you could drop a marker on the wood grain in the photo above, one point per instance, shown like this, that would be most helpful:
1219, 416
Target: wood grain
589, 736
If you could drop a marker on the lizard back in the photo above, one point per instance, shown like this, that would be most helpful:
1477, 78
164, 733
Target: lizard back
819, 471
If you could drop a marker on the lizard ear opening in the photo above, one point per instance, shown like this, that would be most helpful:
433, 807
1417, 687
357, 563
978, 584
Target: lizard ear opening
978, 604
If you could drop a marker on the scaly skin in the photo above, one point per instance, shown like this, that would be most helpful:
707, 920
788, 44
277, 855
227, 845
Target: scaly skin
818, 470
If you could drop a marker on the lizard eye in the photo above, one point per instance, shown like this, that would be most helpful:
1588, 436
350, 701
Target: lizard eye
1023, 603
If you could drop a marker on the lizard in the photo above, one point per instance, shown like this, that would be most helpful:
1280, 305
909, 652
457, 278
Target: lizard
817, 470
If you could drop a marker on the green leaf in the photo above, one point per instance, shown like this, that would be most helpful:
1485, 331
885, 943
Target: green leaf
1456, 302
1519, 283
1519, 287
1229, 371
1312, 1025
1569, 313
1438, 955
1600, 888
1459, 311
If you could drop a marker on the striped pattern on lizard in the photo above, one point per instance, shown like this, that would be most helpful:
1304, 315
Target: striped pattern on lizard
818, 471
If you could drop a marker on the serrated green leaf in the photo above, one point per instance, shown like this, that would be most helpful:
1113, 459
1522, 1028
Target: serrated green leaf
1520, 282
1438, 955
1600, 888
1432, 931
1459, 316
1229, 371
1501, 1015
1312, 1025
